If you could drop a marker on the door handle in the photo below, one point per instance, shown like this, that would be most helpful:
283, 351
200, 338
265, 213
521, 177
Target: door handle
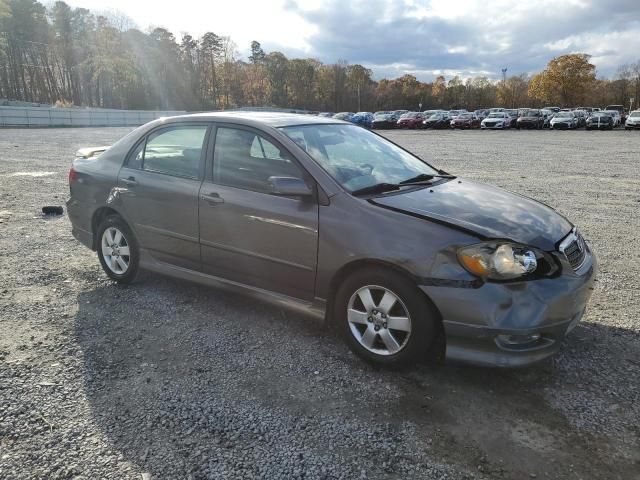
130, 181
212, 198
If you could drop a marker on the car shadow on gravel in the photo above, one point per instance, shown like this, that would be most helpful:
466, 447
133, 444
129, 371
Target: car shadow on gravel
186, 380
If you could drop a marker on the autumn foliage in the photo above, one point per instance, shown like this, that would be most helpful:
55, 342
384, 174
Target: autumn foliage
70, 56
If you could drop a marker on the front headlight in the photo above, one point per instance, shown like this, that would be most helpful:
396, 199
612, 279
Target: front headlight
503, 260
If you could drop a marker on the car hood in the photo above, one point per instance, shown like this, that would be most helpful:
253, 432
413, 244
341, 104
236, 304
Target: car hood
488, 211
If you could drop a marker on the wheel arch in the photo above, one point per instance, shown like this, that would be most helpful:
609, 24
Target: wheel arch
348, 269
98, 217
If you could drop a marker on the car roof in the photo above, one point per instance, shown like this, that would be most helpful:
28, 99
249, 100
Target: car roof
272, 119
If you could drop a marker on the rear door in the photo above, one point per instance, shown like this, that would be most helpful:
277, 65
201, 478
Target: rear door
160, 182
248, 234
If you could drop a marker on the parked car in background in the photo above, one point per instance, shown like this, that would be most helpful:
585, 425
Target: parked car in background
326, 114
496, 120
617, 120
620, 110
346, 116
563, 121
553, 109
465, 120
547, 115
529, 118
399, 113
599, 121
364, 119
496, 109
411, 120
581, 117
453, 114
513, 114
331, 219
481, 114
437, 121
384, 120
633, 121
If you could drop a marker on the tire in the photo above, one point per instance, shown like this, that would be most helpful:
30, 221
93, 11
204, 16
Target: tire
360, 324
112, 233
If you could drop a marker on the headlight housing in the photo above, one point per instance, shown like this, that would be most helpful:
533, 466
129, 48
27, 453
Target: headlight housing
501, 260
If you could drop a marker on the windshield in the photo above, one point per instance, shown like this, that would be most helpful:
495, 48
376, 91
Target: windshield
635, 114
564, 115
600, 114
496, 115
436, 116
355, 157
411, 115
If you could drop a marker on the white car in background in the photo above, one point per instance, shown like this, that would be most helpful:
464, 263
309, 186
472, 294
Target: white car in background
496, 120
633, 121
617, 120
563, 120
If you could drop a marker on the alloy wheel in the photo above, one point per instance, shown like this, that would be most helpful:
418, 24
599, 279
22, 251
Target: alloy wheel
379, 320
115, 250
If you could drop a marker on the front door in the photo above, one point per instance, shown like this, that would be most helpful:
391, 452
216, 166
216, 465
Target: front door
248, 234
160, 182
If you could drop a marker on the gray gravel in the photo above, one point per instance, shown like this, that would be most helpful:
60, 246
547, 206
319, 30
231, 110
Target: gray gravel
166, 379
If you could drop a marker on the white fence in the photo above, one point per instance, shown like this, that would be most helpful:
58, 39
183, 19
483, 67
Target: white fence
77, 117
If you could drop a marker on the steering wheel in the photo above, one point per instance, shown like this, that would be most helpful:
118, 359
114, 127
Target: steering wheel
367, 168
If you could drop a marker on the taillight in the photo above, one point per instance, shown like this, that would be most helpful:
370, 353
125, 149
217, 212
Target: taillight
73, 176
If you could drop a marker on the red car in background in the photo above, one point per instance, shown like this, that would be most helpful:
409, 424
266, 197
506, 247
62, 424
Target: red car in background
466, 120
411, 120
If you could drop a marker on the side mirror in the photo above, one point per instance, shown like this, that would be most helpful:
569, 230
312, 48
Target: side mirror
289, 186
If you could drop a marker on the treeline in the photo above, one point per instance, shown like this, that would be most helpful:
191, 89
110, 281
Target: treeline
71, 56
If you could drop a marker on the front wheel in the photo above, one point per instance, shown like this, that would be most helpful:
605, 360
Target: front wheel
385, 318
118, 250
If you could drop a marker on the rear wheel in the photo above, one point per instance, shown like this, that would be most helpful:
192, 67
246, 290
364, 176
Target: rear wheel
117, 250
385, 318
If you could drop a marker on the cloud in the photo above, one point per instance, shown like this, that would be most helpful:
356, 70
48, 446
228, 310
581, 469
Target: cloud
468, 37
423, 37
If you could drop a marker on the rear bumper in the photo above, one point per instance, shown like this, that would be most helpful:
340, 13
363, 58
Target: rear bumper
80, 222
476, 320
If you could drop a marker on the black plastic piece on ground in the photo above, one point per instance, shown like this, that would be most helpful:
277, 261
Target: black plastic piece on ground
52, 210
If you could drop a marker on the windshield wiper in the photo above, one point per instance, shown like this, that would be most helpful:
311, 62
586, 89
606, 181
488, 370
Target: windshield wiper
424, 177
377, 188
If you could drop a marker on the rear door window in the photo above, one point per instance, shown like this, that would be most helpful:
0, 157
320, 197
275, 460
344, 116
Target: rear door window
175, 151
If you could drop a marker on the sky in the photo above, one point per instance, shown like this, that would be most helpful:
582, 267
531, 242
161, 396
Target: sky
425, 38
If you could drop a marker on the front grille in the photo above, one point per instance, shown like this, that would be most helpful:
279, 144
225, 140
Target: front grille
574, 249
490, 124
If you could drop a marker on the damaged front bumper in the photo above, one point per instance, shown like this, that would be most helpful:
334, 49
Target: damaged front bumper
512, 324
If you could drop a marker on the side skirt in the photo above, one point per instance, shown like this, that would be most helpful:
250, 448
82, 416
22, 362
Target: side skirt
315, 308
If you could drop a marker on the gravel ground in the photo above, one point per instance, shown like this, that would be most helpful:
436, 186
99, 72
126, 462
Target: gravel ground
166, 379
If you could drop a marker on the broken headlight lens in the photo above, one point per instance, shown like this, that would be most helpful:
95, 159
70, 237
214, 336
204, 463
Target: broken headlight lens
500, 260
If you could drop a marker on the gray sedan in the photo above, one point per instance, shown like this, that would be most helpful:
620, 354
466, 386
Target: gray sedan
327, 217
